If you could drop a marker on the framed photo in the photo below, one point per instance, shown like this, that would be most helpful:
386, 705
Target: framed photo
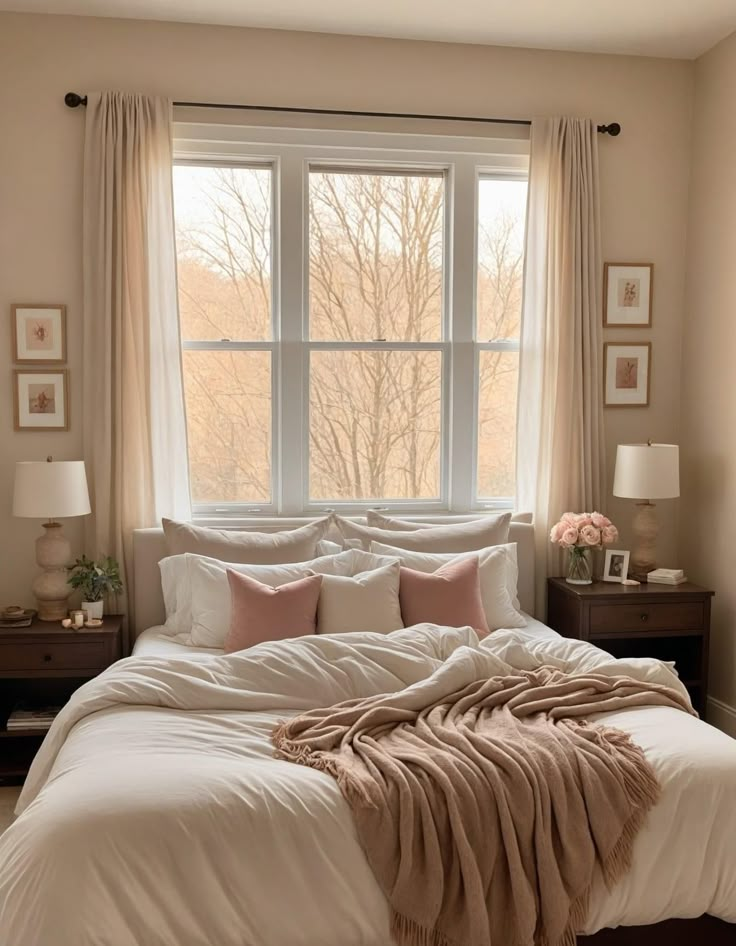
627, 294
627, 373
41, 399
616, 566
39, 334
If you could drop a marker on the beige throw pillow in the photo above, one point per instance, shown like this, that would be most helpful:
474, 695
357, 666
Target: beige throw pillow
365, 602
246, 548
457, 537
380, 521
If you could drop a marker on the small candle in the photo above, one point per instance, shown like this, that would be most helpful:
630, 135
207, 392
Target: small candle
78, 617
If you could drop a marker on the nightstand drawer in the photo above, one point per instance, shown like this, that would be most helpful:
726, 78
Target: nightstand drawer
36, 655
656, 616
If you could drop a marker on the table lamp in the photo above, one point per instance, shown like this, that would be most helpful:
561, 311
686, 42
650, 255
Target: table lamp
46, 490
646, 471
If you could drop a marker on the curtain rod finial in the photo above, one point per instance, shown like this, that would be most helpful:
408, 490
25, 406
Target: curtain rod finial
614, 129
74, 99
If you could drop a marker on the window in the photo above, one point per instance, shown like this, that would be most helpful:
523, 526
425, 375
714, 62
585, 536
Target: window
501, 212
350, 318
375, 278
223, 217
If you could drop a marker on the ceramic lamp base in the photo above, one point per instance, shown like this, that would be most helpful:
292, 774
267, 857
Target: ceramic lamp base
646, 530
51, 587
55, 609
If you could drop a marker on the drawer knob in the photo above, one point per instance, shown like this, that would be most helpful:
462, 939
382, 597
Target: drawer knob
644, 616
47, 658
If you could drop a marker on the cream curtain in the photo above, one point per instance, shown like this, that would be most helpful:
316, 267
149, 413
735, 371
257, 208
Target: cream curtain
560, 447
134, 423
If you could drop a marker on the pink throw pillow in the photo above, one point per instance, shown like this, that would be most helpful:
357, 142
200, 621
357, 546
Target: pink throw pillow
262, 613
449, 596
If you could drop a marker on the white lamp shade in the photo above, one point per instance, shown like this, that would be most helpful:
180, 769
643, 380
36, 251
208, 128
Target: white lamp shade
50, 489
647, 471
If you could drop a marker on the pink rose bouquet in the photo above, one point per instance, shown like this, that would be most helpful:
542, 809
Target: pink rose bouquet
583, 530
579, 533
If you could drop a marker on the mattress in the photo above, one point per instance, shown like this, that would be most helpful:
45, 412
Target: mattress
157, 642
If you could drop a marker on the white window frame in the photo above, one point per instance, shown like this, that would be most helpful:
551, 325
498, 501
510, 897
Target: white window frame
291, 152
490, 344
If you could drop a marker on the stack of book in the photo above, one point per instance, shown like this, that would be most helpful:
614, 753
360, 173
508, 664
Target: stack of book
16, 617
667, 576
40, 717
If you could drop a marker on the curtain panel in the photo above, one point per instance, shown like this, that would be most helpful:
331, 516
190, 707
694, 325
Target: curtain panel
134, 423
560, 453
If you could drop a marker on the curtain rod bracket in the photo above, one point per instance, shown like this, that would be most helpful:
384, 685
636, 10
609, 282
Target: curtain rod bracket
74, 100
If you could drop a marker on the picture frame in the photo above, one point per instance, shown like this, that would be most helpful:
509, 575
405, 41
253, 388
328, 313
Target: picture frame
616, 565
41, 399
627, 374
39, 333
628, 290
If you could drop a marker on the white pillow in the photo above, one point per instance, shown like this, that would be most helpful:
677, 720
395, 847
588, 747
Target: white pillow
248, 548
367, 602
328, 547
498, 574
177, 599
203, 594
458, 537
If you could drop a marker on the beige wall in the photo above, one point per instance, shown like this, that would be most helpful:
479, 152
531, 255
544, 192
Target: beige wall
708, 399
644, 172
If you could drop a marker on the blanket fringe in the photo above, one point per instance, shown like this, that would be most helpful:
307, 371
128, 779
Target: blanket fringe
407, 932
643, 791
291, 751
575, 922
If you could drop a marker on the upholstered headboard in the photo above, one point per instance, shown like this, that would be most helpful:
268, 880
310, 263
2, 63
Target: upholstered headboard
149, 547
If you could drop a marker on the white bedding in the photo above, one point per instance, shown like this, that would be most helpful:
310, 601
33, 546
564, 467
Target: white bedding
156, 814
158, 642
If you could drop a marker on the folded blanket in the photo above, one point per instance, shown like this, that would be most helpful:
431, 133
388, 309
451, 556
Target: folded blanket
486, 809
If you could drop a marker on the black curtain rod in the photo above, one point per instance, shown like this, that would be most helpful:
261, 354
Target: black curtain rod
74, 100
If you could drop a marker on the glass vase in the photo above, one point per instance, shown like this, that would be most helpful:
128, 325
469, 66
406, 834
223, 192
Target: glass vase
580, 566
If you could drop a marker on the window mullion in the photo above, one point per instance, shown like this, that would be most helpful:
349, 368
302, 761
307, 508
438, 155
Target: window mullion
291, 368
504, 344
378, 346
199, 345
463, 407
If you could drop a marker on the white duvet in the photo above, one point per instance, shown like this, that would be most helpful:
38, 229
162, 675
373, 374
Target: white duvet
156, 815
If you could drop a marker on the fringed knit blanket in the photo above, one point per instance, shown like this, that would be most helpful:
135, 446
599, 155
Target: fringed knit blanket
485, 809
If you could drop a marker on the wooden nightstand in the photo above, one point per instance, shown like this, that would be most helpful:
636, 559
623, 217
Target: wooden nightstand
42, 665
669, 622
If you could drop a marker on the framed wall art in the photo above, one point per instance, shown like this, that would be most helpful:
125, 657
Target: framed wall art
627, 373
41, 399
39, 334
627, 295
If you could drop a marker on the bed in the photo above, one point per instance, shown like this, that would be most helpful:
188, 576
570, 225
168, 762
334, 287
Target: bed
156, 813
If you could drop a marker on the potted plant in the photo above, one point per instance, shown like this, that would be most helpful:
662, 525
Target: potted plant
95, 580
